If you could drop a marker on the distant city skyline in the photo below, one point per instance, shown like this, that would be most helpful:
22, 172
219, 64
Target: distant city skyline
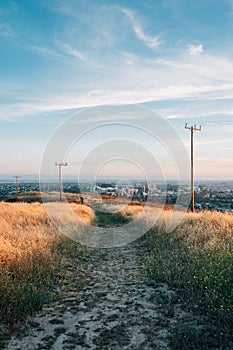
174, 57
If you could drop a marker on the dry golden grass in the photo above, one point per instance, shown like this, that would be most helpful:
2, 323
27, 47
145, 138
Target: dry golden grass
83, 212
129, 209
207, 229
132, 211
31, 249
27, 230
202, 229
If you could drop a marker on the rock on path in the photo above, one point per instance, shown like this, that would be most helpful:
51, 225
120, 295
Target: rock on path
105, 304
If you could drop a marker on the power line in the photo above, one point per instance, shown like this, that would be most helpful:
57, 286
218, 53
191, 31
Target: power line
192, 129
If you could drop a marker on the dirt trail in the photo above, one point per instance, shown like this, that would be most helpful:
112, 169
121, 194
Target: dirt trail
105, 304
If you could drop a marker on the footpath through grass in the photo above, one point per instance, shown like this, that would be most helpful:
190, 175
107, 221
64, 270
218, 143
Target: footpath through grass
32, 253
197, 261
33, 256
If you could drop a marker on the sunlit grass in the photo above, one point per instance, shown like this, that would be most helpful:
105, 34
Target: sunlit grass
30, 251
195, 259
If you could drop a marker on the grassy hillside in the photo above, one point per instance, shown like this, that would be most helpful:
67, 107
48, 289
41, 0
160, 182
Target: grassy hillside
197, 260
30, 253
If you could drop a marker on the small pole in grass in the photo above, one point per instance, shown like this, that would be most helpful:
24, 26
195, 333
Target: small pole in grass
192, 129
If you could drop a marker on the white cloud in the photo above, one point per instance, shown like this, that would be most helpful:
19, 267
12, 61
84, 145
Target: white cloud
150, 41
68, 50
60, 51
195, 50
56, 102
6, 31
202, 77
70, 10
45, 51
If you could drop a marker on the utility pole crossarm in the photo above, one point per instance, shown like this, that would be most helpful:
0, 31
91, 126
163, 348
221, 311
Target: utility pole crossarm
192, 129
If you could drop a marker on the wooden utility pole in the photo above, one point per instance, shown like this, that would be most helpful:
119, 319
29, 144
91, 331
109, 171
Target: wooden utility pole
60, 165
17, 186
192, 129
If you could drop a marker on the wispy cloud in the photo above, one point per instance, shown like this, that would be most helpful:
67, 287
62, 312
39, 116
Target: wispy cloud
129, 57
173, 63
45, 51
58, 51
73, 100
70, 51
126, 77
6, 31
150, 41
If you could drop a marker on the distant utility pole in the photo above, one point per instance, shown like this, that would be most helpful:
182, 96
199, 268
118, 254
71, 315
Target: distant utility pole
17, 186
192, 129
60, 165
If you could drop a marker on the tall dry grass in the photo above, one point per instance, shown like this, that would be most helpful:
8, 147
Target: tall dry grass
207, 229
27, 230
28, 255
201, 229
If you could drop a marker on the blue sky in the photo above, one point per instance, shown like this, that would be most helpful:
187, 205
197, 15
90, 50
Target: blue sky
172, 56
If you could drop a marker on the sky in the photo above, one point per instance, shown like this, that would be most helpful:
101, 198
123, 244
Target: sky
173, 57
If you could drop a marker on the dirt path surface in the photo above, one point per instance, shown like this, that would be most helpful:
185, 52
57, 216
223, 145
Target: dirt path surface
105, 304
